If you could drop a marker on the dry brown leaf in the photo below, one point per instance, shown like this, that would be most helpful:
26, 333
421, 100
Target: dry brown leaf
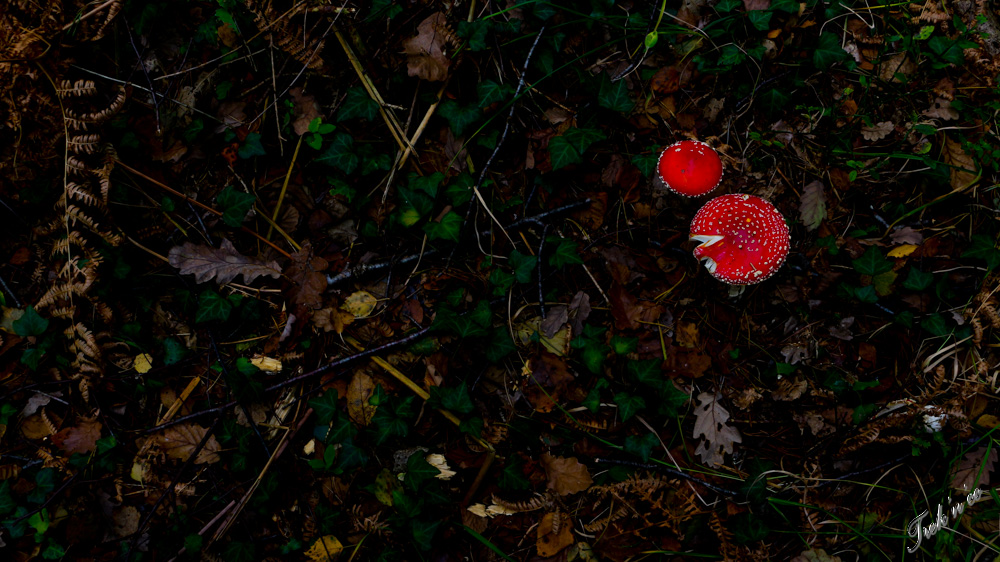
710, 423
34, 427
305, 110
549, 377
789, 389
425, 56
812, 205
332, 319
308, 279
878, 131
222, 264
941, 109
566, 476
360, 304
324, 549
973, 471
794, 354
815, 555
180, 441
555, 532
80, 439
906, 235
358, 393
126, 520
963, 167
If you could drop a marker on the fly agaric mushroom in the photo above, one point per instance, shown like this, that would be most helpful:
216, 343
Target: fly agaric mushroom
744, 239
690, 168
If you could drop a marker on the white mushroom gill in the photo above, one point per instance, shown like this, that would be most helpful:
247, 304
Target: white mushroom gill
707, 239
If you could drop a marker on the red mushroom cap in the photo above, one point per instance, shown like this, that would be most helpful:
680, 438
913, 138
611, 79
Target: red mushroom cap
744, 239
690, 168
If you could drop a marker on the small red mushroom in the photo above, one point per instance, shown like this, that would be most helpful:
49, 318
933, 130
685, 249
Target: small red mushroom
690, 168
744, 239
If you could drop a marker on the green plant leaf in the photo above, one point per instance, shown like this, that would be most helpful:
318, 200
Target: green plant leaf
212, 306
828, 50
418, 471
614, 95
501, 281
448, 229
582, 138
523, 266
45, 483
623, 346
340, 153
872, 262
357, 103
983, 247
350, 456
641, 446
474, 33
646, 163
935, 325
429, 184
562, 153
647, 372
251, 147
593, 357
423, 532
325, 406
671, 400
460, 117
7, 503
917, 280
235, 205
239, 551
760, 19
30, 323
447, 320
628, 405
490, 92
563, 252
512, 476
456, 400
499, 345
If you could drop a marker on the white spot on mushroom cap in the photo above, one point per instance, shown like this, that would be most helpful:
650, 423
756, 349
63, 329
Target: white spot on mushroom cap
756, 252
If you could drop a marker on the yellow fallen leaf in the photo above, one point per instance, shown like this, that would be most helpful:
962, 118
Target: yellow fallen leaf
268, 364
325, 548
555, 532
139, 471
360, 304
902, 251
142, 363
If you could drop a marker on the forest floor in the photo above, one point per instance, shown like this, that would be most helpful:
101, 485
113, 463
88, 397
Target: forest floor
398, 281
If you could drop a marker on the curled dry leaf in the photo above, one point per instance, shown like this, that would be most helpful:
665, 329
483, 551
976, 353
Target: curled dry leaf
438, 461
941, 109
360, 304
358, 393
878, 131
425, 56
963, 167
332, 319
305, 110
710, 423
906, 235
80, 439
812, 205
555, 532
180, 441
789, 389
308, 279
566, 476
222, 264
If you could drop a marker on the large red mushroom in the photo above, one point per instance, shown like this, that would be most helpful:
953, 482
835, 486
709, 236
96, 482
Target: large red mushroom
690, 168
744, 239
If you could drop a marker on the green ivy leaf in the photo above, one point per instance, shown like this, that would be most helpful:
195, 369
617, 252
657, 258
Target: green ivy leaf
828, 50
671, 400
563, 252
581, 139
523, 266
499, 345
239, 551
614, 95
760, 19
423, 532
983, 247
325, 406
30, 323
212, 306
512, 476
418, 471
501, 281
917, 280
474, 33
357, 103
593, 400
562, 153
429, 184
448, 229
340, 153
935, 325
251, 147
235, 205
623, 346
628, 405
456, 400
460, 117
7, 503
376, 162
646, 163
45, 482
641, 446
872, 262
490, 92
866, 294
173, 351
593, 357
647, 372
350, 456
447, 320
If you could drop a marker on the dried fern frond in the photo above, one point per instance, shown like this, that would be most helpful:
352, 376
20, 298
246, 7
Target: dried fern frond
80, 88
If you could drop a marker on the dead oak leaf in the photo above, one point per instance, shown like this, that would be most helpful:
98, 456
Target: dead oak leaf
566, 476
222, 264
180, 441
332, 319
308, 279
878, 131
906, 235
425, 56
549, 377
358, 393
710, 423
555, 532
974, 470
963, 167
80, 439
305, 110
